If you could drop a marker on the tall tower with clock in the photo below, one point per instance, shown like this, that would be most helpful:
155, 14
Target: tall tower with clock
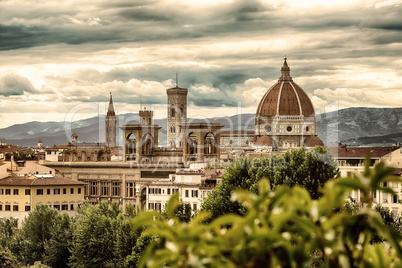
177, 115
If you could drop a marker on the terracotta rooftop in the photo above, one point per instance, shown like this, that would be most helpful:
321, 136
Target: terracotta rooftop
313, 141
343, 151
22, 181
290, 138
10, 149
265, 140
57, 147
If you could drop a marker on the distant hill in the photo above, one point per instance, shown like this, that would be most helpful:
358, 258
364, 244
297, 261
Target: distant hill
361, 126
354, 126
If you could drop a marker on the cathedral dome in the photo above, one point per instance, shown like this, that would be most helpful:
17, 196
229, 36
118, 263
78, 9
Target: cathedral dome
265, 141
313, 141
285, 98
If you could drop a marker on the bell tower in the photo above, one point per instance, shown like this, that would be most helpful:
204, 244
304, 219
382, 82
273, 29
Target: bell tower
111, 125
146, 117
177, 115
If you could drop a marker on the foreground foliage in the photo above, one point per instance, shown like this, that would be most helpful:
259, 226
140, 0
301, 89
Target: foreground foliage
282, 228
308, 169
102, 236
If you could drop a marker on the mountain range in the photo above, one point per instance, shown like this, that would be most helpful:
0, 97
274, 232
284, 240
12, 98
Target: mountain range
352, 126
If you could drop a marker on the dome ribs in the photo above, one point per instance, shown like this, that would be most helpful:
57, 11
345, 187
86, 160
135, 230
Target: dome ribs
285, 98
288, 103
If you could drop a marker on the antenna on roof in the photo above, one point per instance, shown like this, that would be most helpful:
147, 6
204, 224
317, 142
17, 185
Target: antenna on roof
177, 79
140, 104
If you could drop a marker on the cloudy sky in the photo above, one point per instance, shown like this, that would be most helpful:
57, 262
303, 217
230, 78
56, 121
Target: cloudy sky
60, 59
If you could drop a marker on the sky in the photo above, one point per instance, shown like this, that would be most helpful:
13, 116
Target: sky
59, 60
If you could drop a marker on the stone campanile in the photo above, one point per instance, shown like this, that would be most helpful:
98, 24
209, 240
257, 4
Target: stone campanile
110, 125
177, 115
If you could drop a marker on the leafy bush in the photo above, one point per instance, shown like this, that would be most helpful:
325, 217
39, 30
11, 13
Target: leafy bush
282, 228
308, 169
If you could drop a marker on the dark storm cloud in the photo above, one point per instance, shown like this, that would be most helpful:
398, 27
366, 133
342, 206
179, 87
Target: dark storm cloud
388, 38
15, 37
15, 85
393, 26
125, 21
19, 36
224, 81
187, 75
117, 98
224, 52
145, 13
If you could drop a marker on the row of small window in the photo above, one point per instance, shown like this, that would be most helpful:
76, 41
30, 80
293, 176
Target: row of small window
393, 184
394, 198
194, 193
15, 207
158, 206
38, 191
162, 191
15, 191
62, 206
104, 188
56, 191
7, 207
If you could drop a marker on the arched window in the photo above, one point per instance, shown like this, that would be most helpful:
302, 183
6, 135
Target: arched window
131, 144
209, 144
172, 111
147, 144
191, 143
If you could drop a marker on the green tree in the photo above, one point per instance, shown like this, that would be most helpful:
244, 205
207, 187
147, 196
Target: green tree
8, 229
389, 218
38, 264
93, 236
7, 259
126, 239
284, 227
102, 236
183, 212
57, 251
141, 244
35, 234
308, 169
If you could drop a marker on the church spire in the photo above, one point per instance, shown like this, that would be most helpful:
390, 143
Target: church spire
110, 110
285, 72
110, 125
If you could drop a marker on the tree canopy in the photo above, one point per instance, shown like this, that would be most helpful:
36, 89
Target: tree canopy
309, 169
284, 227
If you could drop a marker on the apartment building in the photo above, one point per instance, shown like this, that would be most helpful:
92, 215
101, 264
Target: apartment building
19, 195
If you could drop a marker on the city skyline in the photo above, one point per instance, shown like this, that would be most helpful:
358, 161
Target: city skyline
58, 57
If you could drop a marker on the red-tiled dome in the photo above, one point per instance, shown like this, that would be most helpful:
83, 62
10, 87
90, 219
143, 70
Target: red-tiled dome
313, 141
285, 98
289, 139
265, 140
